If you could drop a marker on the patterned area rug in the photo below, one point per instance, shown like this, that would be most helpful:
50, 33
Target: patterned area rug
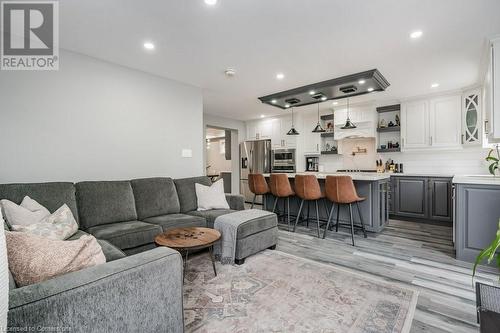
277, 292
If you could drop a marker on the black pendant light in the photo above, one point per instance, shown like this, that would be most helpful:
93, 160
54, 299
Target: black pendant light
292, 130
348, 123
318, 128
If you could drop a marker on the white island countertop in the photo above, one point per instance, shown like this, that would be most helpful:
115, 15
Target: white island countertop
477, 179
367, 176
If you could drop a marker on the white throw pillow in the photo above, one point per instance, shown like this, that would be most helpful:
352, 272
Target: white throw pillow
59, 226
211, 197
20, 215
34, 206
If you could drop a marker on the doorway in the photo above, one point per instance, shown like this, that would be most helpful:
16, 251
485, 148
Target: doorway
219, 159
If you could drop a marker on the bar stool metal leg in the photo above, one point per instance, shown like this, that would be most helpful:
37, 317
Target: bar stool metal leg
317, 217
361, 220
253, 201
338, 213
329, 219
298, 215
275, 203
352, 223
288, 211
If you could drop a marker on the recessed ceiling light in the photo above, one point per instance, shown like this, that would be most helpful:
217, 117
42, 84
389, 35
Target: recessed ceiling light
211, 2
273, 101
370, 89
262, 116
434, 85
361, 81
324, 98
280, 76
312, 92
149, 46
416, 34
335, 103
287, 105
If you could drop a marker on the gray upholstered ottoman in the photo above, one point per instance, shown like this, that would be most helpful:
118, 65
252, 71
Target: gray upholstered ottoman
256, 235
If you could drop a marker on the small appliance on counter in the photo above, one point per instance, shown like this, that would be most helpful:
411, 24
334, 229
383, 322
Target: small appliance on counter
283, 160
312, 163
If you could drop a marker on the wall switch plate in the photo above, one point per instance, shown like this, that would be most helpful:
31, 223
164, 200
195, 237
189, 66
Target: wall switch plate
187, 153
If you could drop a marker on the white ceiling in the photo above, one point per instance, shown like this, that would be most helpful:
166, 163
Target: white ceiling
307, 40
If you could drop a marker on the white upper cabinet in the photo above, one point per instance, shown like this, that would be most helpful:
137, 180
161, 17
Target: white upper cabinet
471, 118
432, 124
492, 94
311, 141
274, 129
415, 124
445, 122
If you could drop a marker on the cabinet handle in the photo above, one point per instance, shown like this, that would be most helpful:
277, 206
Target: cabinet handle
317, 147
431, 140
462, 139
402, 142
486, 129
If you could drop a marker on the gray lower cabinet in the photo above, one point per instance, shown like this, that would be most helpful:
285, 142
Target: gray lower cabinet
477, 211
427, 198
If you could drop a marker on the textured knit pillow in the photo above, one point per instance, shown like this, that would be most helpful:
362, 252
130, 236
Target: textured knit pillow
59, 225
22, 214
33, 259
211, 197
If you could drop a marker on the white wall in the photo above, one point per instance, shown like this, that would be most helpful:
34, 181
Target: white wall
93, 120
238, 134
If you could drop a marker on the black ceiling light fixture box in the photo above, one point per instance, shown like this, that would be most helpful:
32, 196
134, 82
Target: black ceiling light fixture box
342, 87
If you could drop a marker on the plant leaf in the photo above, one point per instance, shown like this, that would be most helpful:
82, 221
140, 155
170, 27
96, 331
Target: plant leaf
490, 158
483, 254
492, 168
494, 247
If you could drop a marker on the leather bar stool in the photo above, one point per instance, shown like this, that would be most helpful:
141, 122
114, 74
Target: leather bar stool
341, 191
307, 188
258, 186
281, 189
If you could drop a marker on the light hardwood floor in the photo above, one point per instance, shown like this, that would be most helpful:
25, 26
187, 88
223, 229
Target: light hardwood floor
418, 255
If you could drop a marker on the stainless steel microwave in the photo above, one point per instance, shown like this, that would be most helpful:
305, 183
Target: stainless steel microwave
283, 160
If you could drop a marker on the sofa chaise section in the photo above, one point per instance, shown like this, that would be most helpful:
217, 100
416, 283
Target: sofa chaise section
107, 211
157, 202
139, 293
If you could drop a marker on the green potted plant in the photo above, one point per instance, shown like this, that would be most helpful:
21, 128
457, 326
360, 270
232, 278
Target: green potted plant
494, 160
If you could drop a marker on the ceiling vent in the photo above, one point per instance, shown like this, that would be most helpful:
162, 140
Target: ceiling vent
348, 89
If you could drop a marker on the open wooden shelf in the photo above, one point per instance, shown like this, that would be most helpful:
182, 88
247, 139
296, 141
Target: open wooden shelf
389, 129
389, 150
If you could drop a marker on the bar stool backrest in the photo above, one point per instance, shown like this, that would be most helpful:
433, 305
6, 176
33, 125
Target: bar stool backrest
258, 184
340, 189
280, 185
307, 187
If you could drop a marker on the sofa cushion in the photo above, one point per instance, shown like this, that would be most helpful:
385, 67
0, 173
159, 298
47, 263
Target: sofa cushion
126, 235
110, 251
257, 225
187, 193
211, 215
177, 221
155, 197
105, 202
50, 195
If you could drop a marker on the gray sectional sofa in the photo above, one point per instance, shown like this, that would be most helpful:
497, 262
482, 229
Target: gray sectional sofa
140, 292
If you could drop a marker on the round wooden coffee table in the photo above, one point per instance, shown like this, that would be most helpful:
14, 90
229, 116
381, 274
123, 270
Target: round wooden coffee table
190, 239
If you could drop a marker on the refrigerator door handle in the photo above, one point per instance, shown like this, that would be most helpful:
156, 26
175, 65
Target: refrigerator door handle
250, 164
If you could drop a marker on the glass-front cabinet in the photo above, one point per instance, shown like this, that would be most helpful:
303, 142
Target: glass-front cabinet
471, 121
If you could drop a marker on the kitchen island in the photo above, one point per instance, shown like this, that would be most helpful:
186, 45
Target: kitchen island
477, 211
372, 186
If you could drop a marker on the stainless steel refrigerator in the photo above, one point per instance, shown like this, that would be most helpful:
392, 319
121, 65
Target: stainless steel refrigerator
255, 157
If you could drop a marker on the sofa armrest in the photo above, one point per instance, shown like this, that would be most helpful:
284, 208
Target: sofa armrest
142, 292
235, 201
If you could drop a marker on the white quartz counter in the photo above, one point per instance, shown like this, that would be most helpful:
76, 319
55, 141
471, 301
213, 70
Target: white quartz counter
477, 179
416, 174
367, 176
